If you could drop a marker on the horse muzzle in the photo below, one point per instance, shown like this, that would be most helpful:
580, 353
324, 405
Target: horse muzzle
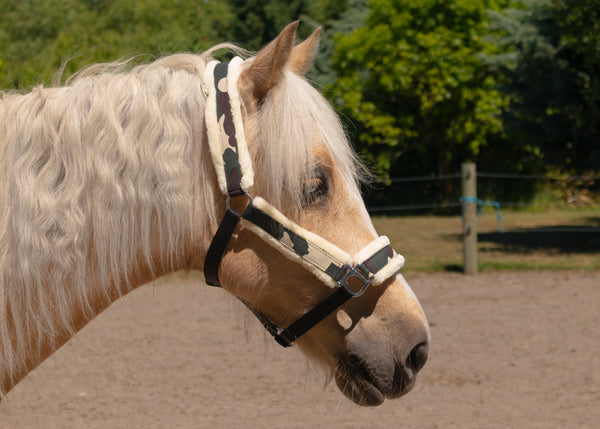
369, 383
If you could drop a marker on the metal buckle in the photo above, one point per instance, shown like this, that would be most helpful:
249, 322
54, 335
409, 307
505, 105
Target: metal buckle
351, 273
228, 202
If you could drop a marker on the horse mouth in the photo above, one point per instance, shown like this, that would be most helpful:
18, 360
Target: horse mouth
360, 384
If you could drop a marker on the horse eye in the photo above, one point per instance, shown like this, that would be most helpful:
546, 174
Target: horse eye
316, 188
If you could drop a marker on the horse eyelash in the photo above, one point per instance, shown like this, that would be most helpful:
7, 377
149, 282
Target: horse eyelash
316, 188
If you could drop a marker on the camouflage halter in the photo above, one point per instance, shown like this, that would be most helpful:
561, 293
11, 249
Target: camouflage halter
348, 277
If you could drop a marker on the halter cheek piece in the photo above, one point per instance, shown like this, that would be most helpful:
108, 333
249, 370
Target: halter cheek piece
348, 277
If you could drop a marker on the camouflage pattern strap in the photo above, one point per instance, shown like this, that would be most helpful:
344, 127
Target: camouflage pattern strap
225, 128
295, 243
321, 257
233, 171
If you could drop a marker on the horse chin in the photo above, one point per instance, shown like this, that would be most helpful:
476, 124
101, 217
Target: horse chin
359, 391
358, 383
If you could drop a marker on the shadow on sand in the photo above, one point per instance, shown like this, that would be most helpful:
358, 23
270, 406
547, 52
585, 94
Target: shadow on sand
557, 238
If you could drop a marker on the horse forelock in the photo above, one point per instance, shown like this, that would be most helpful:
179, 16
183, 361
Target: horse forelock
293, 124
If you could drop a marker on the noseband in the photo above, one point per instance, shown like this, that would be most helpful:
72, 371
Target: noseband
348, 277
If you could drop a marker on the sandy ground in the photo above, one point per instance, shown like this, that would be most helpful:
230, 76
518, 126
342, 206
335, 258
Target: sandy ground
510, 350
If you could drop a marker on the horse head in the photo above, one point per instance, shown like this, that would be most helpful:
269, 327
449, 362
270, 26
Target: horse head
373, 344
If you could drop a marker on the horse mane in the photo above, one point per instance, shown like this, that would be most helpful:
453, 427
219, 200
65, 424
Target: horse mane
89, 170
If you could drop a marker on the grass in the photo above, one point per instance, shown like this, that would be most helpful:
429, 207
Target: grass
558, 239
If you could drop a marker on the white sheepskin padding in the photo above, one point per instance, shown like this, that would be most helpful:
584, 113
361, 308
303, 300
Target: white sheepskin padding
235, 69
393, 266
321, 252
212, 127
391, 269
313, 238
371, 248
291, 255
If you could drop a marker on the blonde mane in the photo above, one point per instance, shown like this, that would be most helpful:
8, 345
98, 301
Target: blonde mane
103, 170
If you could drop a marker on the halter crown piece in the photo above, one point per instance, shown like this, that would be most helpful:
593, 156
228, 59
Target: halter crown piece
348, 277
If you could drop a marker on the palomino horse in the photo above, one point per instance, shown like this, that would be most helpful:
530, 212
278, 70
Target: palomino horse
120, 177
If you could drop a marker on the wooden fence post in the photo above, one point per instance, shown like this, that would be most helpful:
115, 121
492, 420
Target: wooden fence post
469, 206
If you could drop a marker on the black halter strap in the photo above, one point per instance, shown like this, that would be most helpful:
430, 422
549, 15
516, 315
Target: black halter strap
218, 246
361, 276
284, 337
229, 153
214, 255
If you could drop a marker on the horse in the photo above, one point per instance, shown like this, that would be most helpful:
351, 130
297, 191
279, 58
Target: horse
110, 180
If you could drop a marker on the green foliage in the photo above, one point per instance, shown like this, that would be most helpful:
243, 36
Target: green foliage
255, 23
339, 20
259, 21
425, 84
38, 36
550, 64
412, 82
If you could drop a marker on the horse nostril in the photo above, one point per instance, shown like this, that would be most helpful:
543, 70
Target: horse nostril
417, 357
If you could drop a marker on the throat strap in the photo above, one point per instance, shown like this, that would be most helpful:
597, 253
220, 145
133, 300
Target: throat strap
218, 246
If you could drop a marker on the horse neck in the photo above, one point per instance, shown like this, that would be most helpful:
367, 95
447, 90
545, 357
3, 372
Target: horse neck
100, 196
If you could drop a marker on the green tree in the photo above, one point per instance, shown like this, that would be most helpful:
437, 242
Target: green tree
339, 18
26, 28
553, 79
412, 82
252, 24
38, 36
256, 22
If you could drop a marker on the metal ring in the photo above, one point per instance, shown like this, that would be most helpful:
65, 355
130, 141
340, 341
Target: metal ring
353, 272
228, 205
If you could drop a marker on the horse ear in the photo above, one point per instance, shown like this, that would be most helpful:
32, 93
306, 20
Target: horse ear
303, 55
266, 69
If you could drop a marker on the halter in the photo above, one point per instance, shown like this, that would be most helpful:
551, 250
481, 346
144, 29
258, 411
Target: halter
348, 277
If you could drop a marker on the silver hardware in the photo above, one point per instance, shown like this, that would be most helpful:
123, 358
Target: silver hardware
351, 273
228, 205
